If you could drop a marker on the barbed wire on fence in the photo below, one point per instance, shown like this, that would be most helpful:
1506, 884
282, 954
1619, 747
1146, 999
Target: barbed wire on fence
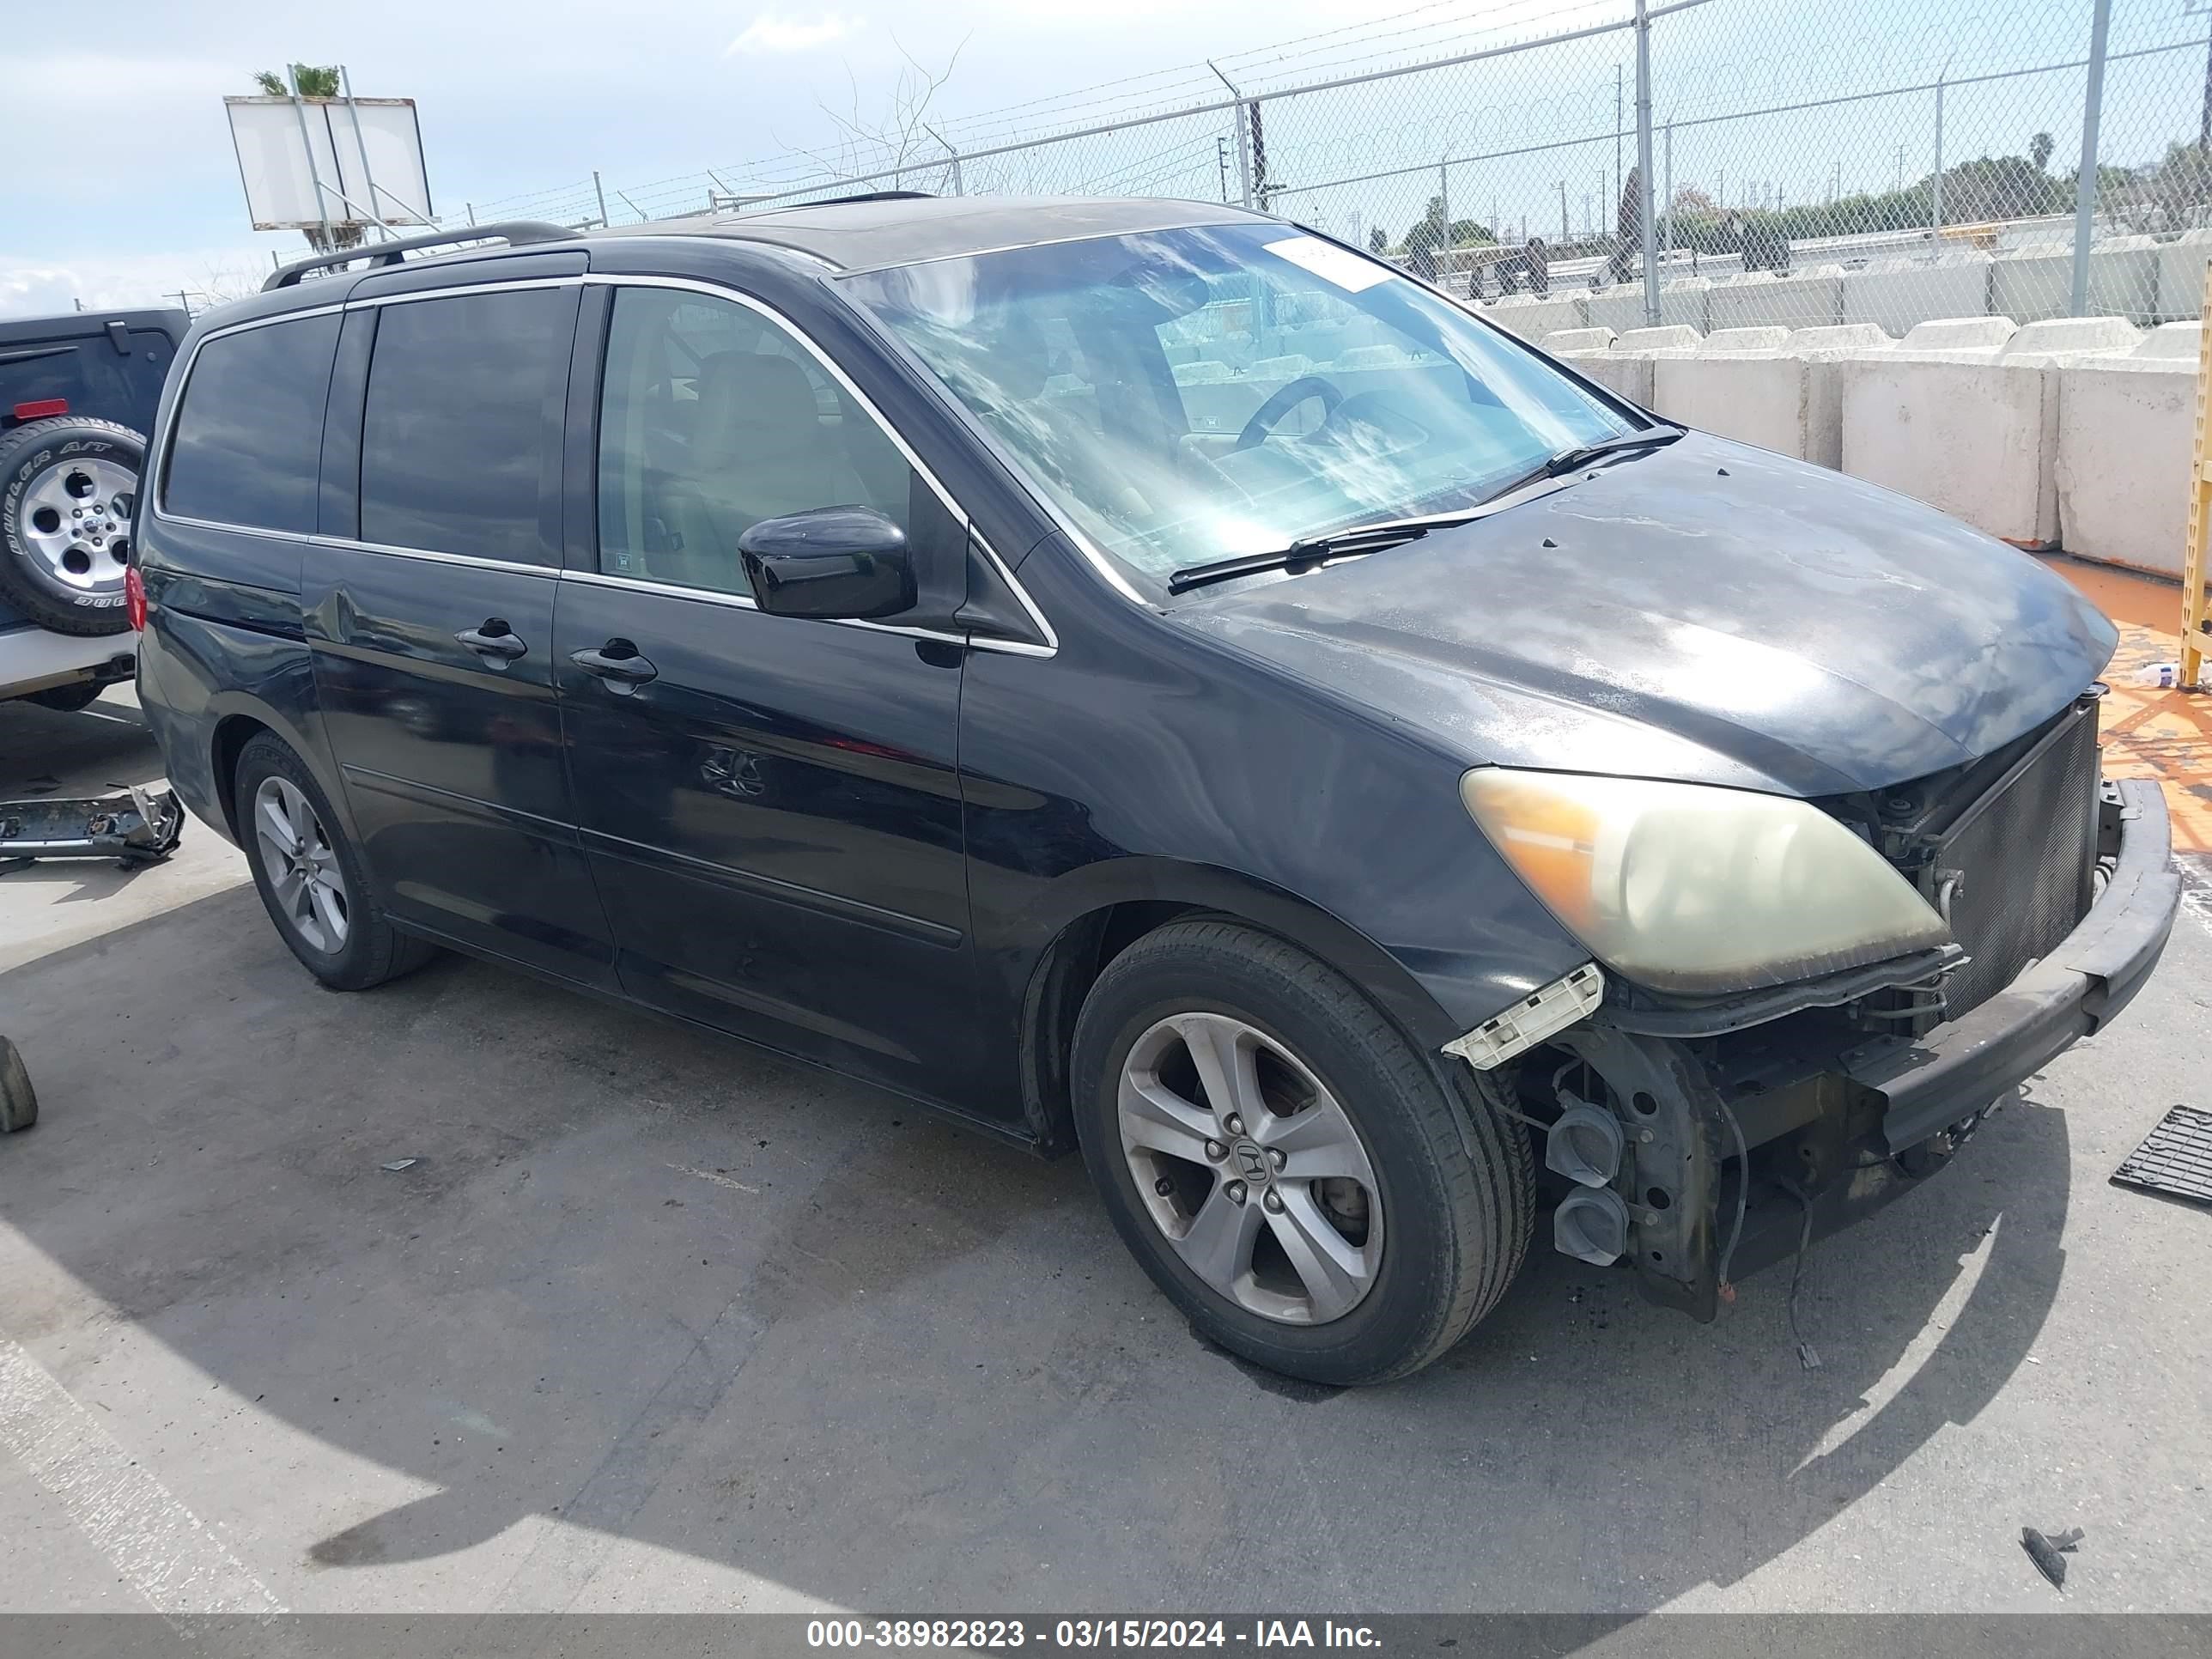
1789, 145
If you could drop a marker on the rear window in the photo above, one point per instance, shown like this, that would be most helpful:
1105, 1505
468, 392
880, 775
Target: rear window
460, 442
89, 374
249, 432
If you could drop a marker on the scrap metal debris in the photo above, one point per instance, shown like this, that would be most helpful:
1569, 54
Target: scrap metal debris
2049, 1552
139, 824
398, 1164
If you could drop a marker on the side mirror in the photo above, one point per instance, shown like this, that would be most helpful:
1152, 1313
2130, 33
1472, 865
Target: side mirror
829, 562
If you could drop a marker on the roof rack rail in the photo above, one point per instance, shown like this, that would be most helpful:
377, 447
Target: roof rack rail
515, 233
871, 196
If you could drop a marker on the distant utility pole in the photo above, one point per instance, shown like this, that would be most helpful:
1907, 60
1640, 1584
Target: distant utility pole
1565, 235
1221, 159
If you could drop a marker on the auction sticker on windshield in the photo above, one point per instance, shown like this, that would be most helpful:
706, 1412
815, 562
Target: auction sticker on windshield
1331, 263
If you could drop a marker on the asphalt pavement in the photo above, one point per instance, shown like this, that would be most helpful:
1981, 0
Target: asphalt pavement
649, 1321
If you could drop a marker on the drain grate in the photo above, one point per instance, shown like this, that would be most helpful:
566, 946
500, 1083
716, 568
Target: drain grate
2175, 1157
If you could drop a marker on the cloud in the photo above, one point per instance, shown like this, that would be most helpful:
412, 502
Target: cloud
770, 31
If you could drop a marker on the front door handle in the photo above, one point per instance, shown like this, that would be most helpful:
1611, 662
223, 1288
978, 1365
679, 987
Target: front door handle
494, 640
618, 663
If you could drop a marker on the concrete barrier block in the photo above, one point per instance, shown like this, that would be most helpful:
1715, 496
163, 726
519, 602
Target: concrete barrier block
2126, 425
2171, 340
1621, 307
1565, 342
2181, 274
1763, 337
1533, 319
2038, 282
1674, 336
1959, 334
1972, 428
1897, 296
1802, 299
1822, 353
1956, 427
1630, 376
2070, 334
1755, 395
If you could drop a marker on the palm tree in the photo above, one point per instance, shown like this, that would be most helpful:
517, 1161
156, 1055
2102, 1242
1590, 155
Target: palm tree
2038, 150
316, 81
313, 81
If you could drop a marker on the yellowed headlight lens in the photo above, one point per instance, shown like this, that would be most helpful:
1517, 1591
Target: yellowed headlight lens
1689, 887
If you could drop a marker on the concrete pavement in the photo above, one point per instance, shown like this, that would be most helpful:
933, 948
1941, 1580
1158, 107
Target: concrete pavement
654, 1321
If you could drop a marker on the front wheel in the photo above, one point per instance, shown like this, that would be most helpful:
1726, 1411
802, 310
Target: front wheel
1307, 1186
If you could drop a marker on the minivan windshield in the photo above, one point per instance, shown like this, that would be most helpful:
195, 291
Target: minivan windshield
1196, 394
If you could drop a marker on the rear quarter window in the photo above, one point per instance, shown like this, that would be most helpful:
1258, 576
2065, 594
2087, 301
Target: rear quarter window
247, 440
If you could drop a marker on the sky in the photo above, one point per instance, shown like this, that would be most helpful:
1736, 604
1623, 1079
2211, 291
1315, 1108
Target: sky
120, 183
114, 197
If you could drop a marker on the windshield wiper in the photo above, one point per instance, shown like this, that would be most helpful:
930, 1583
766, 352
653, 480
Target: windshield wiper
1561, 462
1306, 552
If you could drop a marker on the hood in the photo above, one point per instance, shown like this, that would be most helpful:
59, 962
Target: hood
1708, 612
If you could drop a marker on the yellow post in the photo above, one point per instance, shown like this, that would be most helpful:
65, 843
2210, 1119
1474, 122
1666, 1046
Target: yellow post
2193, 641
2193, 561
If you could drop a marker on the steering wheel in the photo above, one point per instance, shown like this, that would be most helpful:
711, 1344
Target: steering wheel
1286, 397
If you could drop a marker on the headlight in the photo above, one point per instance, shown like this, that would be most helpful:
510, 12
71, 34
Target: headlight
1689, 887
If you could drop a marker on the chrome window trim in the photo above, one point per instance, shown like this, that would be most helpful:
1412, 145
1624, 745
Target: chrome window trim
165, 437
550, 572
971, 641
684, 284
1112, 573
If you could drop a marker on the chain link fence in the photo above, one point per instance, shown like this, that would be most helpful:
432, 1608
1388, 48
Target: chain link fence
1884, 162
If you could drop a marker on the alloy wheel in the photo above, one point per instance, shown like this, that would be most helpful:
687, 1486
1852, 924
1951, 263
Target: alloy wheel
302, 865
76, 521
1251, 1169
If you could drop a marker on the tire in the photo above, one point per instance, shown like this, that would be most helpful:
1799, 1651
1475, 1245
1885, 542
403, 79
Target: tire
51, 566
1420, 1254
68, 699
332, 920
19, 1103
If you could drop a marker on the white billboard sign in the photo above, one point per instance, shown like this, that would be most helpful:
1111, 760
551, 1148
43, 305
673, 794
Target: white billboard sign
365, 154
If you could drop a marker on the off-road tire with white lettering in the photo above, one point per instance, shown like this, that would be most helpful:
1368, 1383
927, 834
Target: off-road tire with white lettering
25, 582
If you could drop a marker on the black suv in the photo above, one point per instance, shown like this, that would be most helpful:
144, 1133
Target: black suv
1144, 677
77, 396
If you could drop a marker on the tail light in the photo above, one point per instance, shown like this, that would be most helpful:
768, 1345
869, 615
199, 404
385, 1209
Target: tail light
134, 599
41, 408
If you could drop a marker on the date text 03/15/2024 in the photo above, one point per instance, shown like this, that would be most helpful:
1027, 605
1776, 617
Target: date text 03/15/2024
1087, 1633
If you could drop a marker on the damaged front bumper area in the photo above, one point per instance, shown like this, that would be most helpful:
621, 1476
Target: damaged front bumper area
1741, 1123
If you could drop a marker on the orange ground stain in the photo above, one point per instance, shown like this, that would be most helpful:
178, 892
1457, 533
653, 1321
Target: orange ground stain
2166, 735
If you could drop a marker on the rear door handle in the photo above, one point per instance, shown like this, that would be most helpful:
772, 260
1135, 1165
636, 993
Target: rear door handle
494, 640
618, 663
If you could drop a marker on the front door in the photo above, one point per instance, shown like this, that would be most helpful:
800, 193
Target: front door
432, 629
771, 806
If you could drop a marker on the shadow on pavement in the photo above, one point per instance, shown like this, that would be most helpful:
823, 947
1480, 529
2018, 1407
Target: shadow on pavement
674, 1291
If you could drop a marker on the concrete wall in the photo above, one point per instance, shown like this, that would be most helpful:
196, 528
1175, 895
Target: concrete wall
2070, 432
1803, 298
1971, 428
1893, 297
1620, 309
1773, 387
2181, 274
1532, 318
2036, 284
2125, 426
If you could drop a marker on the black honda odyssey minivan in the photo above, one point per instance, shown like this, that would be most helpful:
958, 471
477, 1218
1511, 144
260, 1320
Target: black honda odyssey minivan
1146, 677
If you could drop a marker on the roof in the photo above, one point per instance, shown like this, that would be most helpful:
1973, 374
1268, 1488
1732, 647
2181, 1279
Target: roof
864, 235
88, 325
